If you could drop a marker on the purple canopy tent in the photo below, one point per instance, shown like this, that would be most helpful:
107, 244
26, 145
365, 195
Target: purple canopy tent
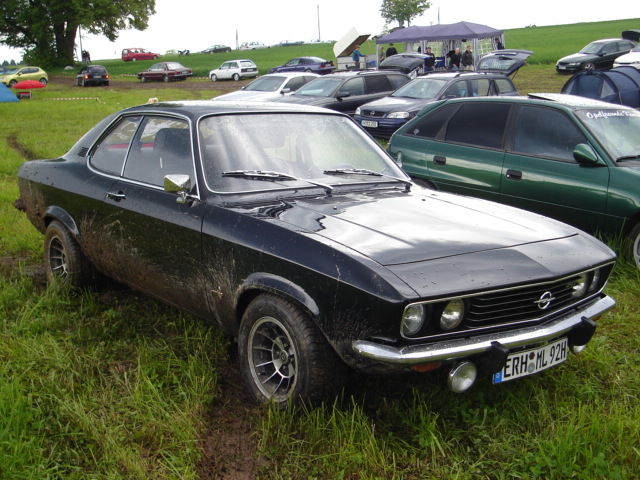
443, 38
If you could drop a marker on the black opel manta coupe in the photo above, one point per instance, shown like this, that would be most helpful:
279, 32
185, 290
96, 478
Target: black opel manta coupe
293, 230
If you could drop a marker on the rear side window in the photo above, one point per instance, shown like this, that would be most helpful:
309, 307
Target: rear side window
505, 86
110, 153
479, 124
482, 87
378, 84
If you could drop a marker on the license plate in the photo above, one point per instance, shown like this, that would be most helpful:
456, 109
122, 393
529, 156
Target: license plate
98, 76
369, 123
528, 362
560, 67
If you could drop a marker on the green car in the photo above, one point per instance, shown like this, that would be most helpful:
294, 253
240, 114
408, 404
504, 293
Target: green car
567, 157
14, 75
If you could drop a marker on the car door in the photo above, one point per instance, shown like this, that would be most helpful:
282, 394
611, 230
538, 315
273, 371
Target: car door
227, 69
149, 240
466, 153
540, 174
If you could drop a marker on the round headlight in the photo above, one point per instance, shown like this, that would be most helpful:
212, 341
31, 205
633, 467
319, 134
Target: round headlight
452, 314
579, 285
595, 280
413, 319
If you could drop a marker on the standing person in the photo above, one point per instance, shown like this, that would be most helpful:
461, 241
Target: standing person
391, 50
499, 45
454, 59
467, 59
381, 54
429, 61
356, 56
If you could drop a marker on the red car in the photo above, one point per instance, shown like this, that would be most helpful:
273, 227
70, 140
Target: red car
165, 71
133, 54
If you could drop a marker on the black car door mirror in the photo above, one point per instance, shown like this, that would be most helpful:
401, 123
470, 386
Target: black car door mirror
585, 155
342, 95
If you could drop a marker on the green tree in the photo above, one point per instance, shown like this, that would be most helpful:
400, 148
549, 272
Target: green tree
402, 11
47, 29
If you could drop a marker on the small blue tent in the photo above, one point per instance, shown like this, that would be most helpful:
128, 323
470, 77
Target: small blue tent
7, 95
619, 85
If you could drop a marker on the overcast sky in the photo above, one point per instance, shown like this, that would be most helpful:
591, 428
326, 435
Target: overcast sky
194, 25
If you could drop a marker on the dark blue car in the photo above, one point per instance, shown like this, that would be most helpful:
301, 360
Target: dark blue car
381, 118
306, 64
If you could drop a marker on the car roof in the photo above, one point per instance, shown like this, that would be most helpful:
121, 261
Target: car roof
572, 102
197, 108
354, 73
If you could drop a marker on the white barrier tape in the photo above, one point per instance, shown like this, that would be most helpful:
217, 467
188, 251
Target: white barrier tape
77, 98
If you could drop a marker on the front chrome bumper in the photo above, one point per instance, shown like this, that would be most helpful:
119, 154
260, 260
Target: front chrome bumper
467, 347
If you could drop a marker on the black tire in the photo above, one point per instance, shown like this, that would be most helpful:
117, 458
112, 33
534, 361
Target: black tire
283, 356
214, 77
83, 83
633, 245
235, 77
134, 59
589, 66
64, 261
12, 83
166, 79
43, 81
143, 79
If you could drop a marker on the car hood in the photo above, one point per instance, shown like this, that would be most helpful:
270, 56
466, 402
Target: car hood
306, 99
432, 240
396, 104
631, 57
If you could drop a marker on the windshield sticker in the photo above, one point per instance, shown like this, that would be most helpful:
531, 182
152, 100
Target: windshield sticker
603, 114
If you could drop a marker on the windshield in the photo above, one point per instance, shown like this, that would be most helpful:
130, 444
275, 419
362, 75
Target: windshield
264, 84
257, 152
11, 71
320, 87
618, 130
592, 48
425, 88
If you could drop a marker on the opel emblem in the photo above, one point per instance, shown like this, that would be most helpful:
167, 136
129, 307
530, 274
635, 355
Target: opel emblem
545, 300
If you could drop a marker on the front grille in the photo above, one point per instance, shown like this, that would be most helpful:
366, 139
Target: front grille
372, 113
521, 304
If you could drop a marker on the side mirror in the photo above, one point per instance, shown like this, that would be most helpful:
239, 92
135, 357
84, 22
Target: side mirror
342, 95
585, 155
285, 90
180, 184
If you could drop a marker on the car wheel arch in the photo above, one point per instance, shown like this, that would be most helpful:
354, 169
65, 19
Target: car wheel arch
56, 213
260, 282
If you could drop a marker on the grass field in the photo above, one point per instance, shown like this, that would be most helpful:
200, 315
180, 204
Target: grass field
112, 385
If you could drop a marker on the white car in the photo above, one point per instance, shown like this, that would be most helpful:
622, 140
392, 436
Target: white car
631, 59
234, 70
253, 46
270, 87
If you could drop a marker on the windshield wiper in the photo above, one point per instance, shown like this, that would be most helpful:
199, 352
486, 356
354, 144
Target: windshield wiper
627, 157
364, 171
270, 175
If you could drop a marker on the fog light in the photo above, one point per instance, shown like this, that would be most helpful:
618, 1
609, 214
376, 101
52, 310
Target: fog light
462, 377
577, 348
